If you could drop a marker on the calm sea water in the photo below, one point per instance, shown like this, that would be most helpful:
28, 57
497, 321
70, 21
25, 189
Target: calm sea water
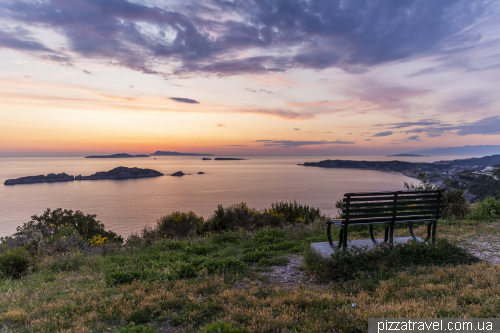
126, 206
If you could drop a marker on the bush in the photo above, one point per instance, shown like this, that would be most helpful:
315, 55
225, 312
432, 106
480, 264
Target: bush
487, 209
65, 262
13, 263
293, 212
229, 219
59, 223
454, 204
178, 225
220, 327
383, 259
117, 278
269, 235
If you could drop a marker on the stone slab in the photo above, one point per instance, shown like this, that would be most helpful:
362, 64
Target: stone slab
325, 250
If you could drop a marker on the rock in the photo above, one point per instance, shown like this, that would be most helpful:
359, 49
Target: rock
206, 159
178, 174
50, 178
201, 173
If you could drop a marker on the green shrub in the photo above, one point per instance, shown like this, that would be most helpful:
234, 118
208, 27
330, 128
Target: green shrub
487, 209
281, 261
292, 211
383, 258
178, 224
65, 262
131, 328
166, 245
269, 235
229, 219
227, 237
13, 263
255, 256
454, 204
117, 278
220, 327
60, 223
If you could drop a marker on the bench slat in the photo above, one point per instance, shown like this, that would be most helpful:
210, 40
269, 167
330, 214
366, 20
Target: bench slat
385, 222
387, 203
420, 213
387, 209
402, 218
391, 198
369, 194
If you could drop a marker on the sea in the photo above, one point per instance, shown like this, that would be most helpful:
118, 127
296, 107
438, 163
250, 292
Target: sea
127, 206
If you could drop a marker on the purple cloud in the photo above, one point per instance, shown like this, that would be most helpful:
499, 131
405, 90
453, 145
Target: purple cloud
387, 133
294, 144
214, 36
184, 100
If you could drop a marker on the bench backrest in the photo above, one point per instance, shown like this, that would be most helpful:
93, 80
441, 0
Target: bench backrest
391, 206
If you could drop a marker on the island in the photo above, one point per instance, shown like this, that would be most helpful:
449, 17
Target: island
178, 174
116, 173
228, 159
122, 155
464, 174
50, 178
407, 155
174, 153
206, 159
122, 173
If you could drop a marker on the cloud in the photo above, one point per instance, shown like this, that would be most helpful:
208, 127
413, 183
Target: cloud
296, 129
237, 145
184, 100
413, 138
486, 126
423, 122
215, 37
295, 144
86, 72
387, 133
368, 139
19, 39
221, 125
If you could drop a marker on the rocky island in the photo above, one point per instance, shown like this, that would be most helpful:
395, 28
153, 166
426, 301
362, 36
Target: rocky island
174, 153
121, 173
123, 155
50, 178
116, 173
228, 159
408, 155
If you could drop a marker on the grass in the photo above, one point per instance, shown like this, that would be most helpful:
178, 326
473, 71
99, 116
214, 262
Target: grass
189, 285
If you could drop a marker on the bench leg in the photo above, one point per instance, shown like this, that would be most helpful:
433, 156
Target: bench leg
344, 243
328, 233
341, 237
428, 231
410, 226
391, 238
386, 237
371, 234
434, 227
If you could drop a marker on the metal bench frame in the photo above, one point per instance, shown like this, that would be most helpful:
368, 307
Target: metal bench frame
388, 208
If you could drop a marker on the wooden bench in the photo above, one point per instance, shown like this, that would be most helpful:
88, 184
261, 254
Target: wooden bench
388, 208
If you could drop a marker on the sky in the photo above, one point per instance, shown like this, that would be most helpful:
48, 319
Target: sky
248, 77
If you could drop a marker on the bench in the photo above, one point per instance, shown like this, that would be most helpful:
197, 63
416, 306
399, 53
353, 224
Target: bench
388, 208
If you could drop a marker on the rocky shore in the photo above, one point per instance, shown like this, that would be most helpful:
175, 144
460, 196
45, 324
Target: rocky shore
116, 173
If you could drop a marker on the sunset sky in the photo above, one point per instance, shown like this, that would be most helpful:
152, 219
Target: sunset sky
243, 77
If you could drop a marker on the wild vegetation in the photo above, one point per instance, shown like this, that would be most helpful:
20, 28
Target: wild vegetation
188, 274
